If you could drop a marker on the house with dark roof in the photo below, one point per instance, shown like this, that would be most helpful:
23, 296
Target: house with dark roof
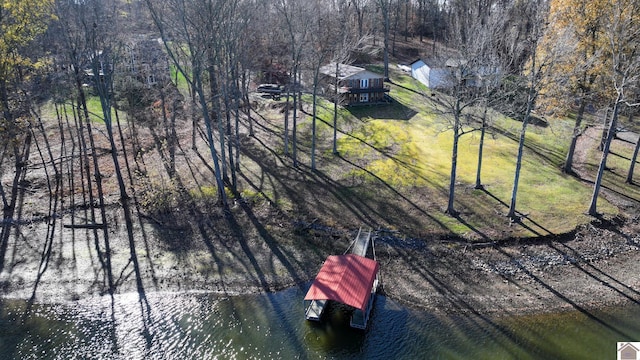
356, 85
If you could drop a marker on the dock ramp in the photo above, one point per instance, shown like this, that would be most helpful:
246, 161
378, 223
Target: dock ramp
361, 243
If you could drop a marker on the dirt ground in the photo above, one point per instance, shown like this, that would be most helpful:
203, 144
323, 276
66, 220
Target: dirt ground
259, 246
593, 267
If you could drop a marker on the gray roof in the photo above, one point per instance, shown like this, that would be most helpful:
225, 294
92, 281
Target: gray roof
439, 63
344, 70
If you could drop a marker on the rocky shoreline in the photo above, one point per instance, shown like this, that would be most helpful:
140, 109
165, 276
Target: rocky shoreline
594, 266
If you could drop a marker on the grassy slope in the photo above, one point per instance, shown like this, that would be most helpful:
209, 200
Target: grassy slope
394, 165
407, 146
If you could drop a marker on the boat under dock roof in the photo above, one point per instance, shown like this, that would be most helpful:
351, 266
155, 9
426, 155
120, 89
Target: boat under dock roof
347, 279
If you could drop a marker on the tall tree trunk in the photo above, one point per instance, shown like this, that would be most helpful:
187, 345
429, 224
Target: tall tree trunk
212, 149
336, 97
568, 163
245, 92
483, 130
236, 138
229, 134
314, 118
516, 178
21, 152
359, 19
632, 166
454, 160
216, 111
168, 133
395, 28
123, 145
54, 200
286, 121
104, 93
295, 120
406, 20
71, 164
194, 117
593, 206
385, 14
605, 129
105, 258
124, 197
421, 15
83, 164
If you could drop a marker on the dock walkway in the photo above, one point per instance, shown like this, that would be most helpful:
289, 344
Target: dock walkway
361, 243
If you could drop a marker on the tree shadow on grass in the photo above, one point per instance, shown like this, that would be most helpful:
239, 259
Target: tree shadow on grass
551, 156
315, 193
396, 192
559, 244
411, 90
393, 111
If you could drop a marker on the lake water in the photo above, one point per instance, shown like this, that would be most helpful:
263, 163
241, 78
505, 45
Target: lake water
272, 326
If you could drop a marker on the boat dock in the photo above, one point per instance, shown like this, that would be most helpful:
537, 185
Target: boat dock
350, 279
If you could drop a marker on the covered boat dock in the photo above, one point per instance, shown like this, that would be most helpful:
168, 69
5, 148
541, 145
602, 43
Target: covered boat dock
347, 279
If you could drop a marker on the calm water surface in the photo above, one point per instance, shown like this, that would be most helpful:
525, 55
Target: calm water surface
272, 326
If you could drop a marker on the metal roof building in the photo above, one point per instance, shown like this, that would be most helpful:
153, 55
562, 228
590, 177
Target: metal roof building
348, 279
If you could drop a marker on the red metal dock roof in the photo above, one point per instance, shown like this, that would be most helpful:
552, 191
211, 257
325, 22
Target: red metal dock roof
347, 279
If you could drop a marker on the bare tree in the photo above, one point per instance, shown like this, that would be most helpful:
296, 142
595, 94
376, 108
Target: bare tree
473, 77
195, 26
634, 157
539, 63
297, 31
622, 33
326, 43
575, 31
319, 47
360, 12
85, 30
345, 42
385, 8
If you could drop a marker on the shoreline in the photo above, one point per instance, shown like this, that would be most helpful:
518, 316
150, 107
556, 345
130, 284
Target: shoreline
595, 269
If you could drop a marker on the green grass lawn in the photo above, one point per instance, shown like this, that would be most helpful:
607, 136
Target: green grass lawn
95, 110
408, 145
93, 106
179, 80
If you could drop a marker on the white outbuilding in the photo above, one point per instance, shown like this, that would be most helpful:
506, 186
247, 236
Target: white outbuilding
433, 77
